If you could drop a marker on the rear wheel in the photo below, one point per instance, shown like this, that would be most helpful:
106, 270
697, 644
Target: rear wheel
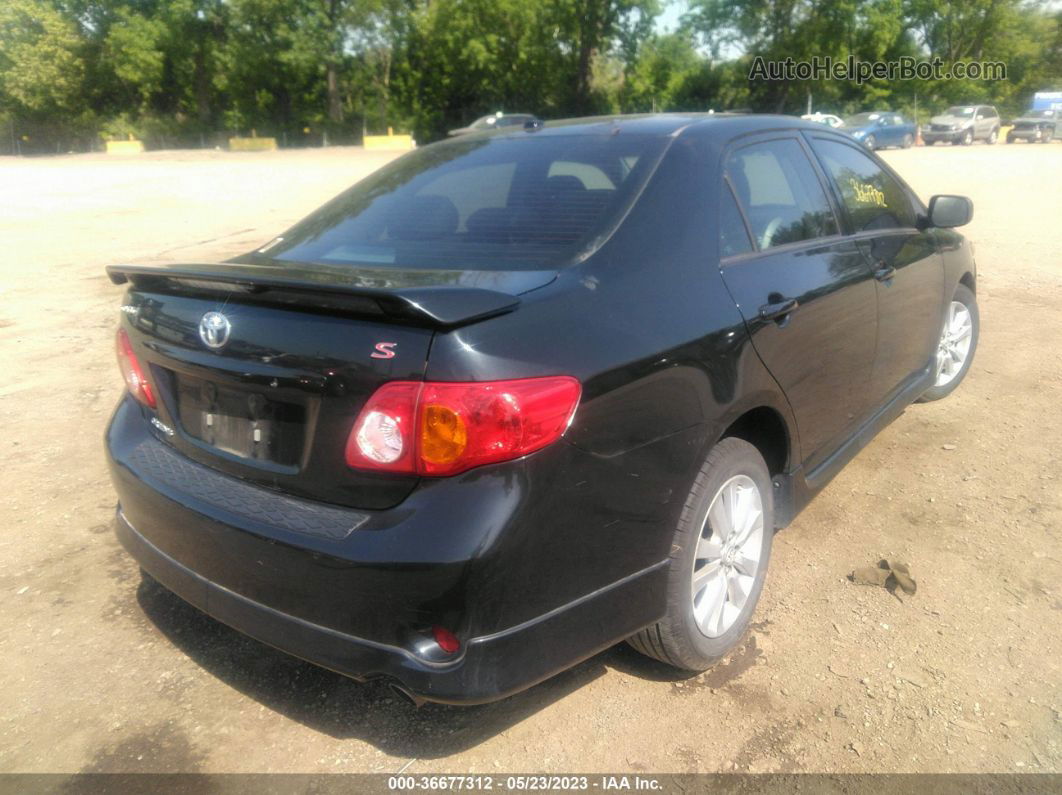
957, 345
870, 142
993, 136
719, 557
1048, 136
907, 141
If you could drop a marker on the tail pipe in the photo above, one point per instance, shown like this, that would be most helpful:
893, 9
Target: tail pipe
405, 694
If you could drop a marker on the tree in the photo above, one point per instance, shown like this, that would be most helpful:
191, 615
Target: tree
654, 80
40, 60
586, 29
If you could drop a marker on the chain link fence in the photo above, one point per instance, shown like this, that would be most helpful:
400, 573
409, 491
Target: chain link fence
24, 137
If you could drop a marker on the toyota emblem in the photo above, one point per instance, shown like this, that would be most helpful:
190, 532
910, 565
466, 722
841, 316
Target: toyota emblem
214, 330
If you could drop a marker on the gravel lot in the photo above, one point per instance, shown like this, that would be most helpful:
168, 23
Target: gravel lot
105, 673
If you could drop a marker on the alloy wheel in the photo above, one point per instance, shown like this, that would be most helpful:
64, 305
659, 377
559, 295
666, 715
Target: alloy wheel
727, 559
954, 345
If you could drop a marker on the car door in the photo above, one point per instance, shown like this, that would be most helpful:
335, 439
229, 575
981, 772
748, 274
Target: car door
991, 121
981, 123
805, 291
902, 127
890, 131
882, 215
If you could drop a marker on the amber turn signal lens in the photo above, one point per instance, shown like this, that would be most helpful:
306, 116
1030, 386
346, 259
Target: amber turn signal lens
443, 435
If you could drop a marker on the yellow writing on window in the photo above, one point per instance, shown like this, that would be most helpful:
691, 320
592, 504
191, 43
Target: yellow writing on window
867, 193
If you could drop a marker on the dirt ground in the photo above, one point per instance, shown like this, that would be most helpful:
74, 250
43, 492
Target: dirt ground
102, 672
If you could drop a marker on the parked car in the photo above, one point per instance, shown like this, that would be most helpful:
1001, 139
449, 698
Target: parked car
511, 400
880, 129
963, 124
1036, 126
497, 121
828, 119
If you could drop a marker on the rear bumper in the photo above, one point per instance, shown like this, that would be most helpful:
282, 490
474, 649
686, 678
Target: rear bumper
362, 601
489, 668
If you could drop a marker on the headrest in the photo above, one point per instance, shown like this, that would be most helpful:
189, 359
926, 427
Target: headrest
424, 218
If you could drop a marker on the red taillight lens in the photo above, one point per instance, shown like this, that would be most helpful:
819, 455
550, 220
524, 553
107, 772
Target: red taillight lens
132, 371
446, 640
438, 429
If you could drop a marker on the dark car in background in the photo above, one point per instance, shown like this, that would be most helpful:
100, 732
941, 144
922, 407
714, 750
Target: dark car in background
1036, 126
963, 124
517, 397
880, 129
497, 121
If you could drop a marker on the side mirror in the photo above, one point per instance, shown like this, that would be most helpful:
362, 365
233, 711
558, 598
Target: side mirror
947, 212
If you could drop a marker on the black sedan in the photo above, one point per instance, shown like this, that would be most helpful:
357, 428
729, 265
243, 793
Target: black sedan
497, 121
1036, 126
517, 397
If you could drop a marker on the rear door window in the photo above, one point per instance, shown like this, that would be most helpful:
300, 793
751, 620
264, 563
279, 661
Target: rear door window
871, 197
781, 195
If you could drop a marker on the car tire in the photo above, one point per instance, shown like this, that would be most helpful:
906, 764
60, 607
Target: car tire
870, 142
993, 137
967, 138
685, 637
1047, 137
1010, 138
965, 297
907, 141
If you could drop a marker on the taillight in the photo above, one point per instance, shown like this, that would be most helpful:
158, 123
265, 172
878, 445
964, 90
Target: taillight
132, 371
438, 428
446, 640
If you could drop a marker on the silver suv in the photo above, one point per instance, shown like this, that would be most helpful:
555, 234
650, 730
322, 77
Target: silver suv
963, 124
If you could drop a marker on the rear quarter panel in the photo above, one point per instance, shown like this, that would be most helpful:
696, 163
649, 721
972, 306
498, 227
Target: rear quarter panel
647, 326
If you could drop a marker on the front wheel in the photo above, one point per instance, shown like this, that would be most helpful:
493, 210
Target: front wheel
967, 138
719, 555
907, 141
993, 137
957, 344
870, 142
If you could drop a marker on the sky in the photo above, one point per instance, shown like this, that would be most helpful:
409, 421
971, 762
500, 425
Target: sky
668, 20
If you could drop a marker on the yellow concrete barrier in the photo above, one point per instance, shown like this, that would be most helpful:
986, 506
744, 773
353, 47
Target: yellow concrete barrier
125, 147
252, 144
389, 142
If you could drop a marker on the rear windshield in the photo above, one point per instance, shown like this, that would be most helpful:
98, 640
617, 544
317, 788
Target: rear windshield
481, 203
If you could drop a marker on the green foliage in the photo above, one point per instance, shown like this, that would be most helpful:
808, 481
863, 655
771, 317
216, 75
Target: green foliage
182, 72
40, 66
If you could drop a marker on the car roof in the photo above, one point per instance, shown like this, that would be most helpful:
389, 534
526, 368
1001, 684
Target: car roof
669, 124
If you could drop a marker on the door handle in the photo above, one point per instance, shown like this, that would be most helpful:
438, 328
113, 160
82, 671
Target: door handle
884, 271
778, 309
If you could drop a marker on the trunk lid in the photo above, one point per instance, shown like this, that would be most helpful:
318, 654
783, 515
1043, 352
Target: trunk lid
261, 371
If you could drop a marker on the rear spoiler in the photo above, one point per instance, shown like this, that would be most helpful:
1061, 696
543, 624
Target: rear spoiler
321, 289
